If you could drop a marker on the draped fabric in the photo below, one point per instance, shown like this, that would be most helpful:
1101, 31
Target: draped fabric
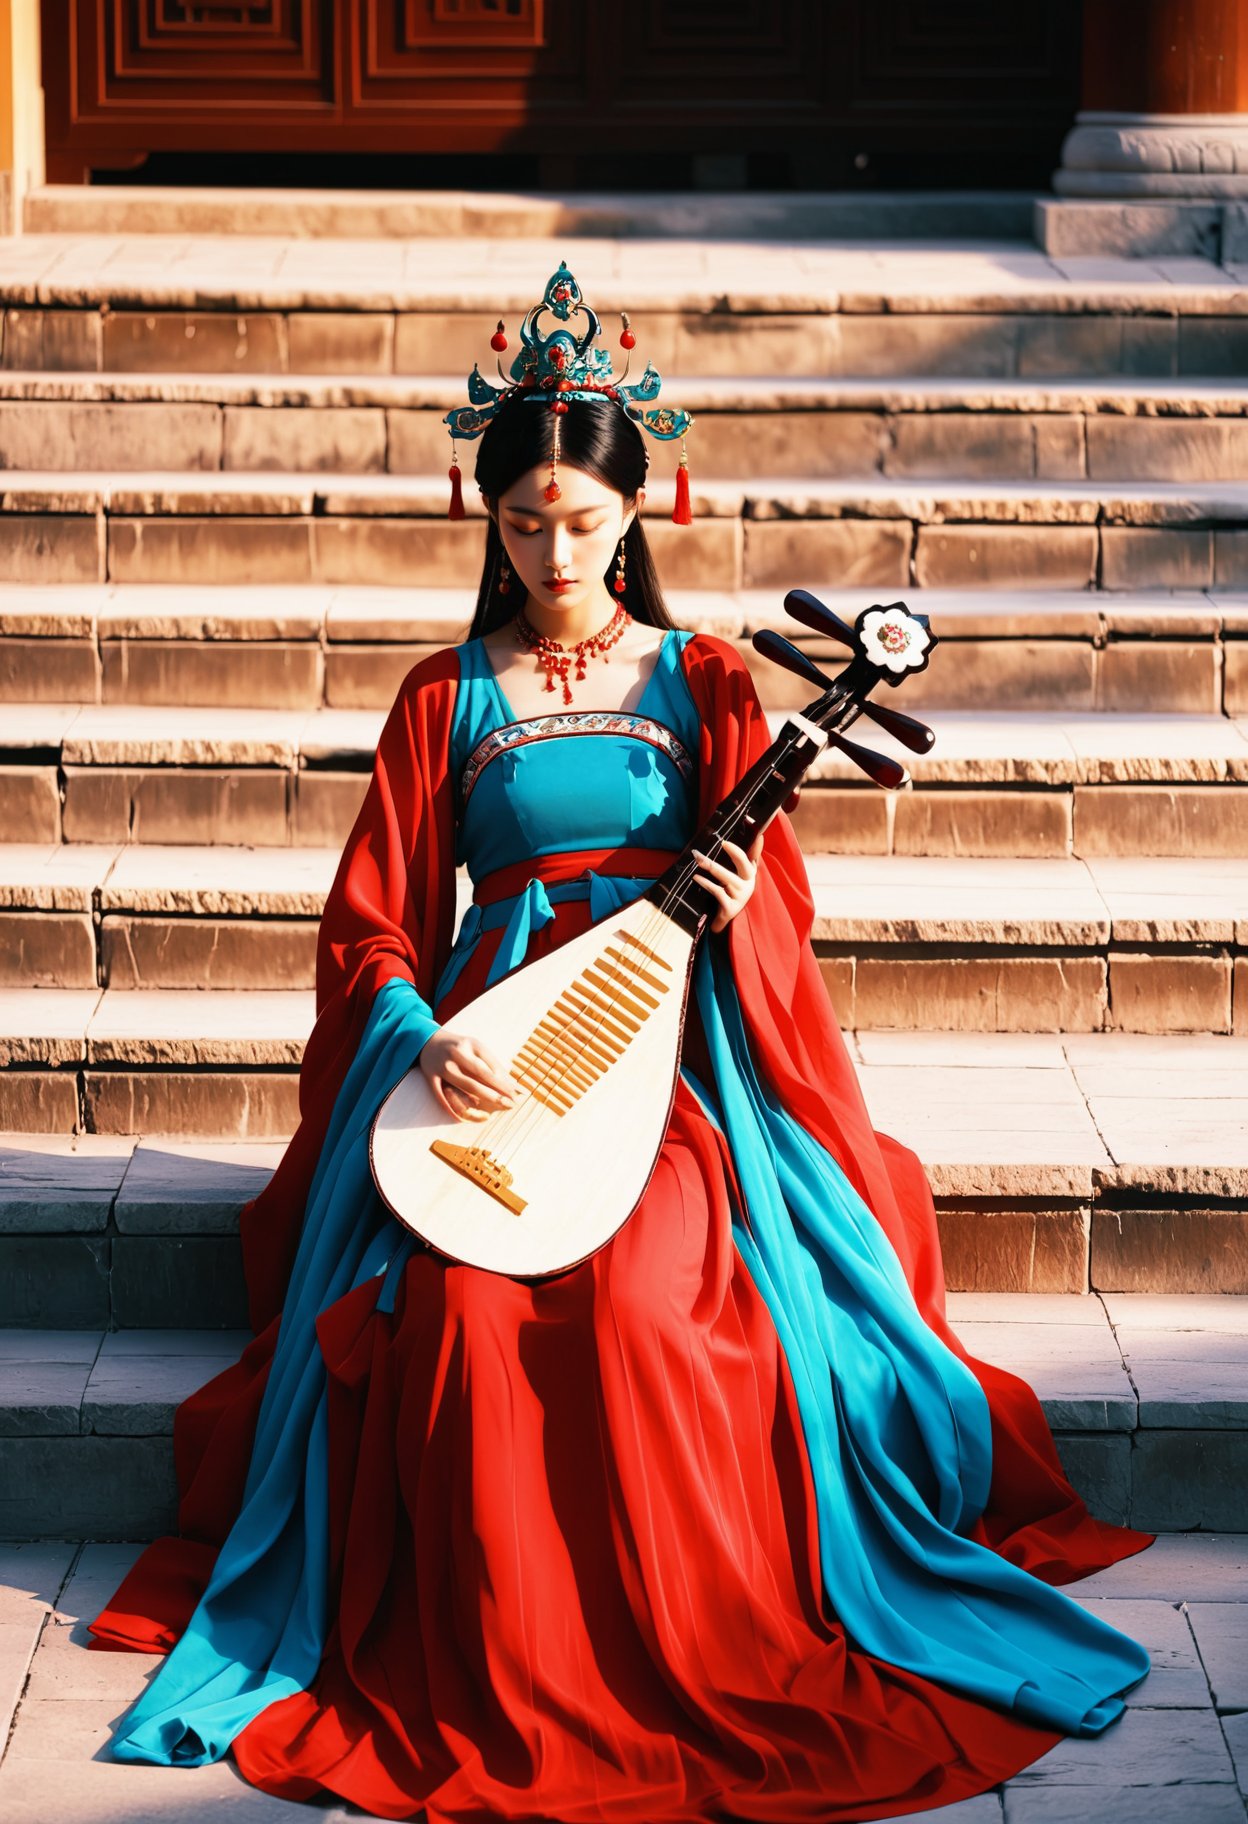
723, 1522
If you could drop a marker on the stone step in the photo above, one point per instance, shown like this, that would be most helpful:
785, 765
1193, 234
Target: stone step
970, 944
293, 647
810, 425
1145, 1395
1110, 1160
97, 302
573, 216
168, 527
1035, 783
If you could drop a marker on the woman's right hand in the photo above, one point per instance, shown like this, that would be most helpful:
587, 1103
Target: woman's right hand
469, 1082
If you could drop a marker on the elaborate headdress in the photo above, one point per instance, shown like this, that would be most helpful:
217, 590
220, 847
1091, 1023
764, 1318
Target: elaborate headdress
551, 370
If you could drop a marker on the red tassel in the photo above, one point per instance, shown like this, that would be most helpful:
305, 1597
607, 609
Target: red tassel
456, 508
682, 515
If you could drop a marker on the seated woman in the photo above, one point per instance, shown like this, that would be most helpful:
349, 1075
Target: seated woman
723, 1521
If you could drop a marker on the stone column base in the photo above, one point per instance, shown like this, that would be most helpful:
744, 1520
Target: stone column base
1196, 157
1150, 184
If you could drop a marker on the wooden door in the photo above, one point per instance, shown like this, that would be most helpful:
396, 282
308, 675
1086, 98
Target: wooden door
843, 92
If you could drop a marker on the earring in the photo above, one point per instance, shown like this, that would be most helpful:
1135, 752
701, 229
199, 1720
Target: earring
619, 585
504, 577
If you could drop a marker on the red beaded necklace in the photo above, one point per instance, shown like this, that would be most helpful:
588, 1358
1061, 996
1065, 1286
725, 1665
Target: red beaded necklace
557, 658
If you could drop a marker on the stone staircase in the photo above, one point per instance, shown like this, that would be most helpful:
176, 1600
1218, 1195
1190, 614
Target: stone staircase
222, 545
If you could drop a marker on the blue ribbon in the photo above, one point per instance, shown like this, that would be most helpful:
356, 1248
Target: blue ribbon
524, 912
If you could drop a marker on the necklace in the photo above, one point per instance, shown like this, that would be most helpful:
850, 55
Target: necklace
557, 658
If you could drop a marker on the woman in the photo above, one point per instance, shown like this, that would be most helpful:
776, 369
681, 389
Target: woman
722, 1522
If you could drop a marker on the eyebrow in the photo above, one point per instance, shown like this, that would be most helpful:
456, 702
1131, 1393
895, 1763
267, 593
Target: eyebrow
534, 512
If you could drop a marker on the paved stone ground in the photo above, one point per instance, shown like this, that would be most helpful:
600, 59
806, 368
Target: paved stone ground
1178, 1756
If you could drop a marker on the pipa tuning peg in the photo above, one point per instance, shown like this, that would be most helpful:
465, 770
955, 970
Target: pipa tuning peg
880, 767
810, 611
912, 733
773, 645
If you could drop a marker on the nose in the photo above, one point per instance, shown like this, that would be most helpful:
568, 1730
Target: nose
560, 551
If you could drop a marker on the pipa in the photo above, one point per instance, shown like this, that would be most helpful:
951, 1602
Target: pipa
591, 1032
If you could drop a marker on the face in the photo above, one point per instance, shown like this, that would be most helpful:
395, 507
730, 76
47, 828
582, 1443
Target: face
576, 536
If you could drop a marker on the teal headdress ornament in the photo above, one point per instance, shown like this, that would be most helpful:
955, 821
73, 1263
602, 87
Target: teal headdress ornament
553, 369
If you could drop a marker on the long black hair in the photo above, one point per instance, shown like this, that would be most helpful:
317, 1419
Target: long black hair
595, 435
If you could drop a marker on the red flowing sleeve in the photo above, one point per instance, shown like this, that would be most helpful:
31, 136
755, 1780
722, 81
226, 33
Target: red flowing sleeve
1033, 1516
389, 912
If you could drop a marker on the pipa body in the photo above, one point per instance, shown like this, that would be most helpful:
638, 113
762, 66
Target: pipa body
592, 1035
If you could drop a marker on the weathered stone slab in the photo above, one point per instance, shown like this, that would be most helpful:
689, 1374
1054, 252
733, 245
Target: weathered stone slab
175, 1027
1173, 1803
1189, 1479
1187, 1251
57, 1281
312, 440
52, 341
45, 1029
51, 548
1025, 1252
59, 1184
47, 950
238, 1104
171, 1186
196, 1281
230, 550
1143, 1748
42, 1399
30, 805
1098, 1466
279, 676
1014, 557
48, 670
1221, 1630
201, 804
222, 954
874, 551
105, 1488
1192, 821
161, 342
236, 883
988, 823
135, 1395
1198, 1567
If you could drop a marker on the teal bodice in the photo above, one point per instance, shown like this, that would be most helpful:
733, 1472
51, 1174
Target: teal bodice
565, 781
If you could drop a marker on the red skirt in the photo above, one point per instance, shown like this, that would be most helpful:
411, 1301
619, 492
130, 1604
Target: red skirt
574, 1560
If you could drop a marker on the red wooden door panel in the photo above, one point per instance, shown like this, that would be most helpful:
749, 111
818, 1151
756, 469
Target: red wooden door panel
843, 86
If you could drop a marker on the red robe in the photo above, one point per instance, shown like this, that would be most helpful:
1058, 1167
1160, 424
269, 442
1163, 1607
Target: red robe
901, 1742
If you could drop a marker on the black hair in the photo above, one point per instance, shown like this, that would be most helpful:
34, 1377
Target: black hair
595, 435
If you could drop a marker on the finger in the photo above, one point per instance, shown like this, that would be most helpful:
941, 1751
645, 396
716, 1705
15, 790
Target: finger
489, 1069
741, 856
440, 1096
463, 1107
717, 867
717, 889
476, 1081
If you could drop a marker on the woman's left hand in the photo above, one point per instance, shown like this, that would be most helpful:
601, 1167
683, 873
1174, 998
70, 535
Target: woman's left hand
733, 885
